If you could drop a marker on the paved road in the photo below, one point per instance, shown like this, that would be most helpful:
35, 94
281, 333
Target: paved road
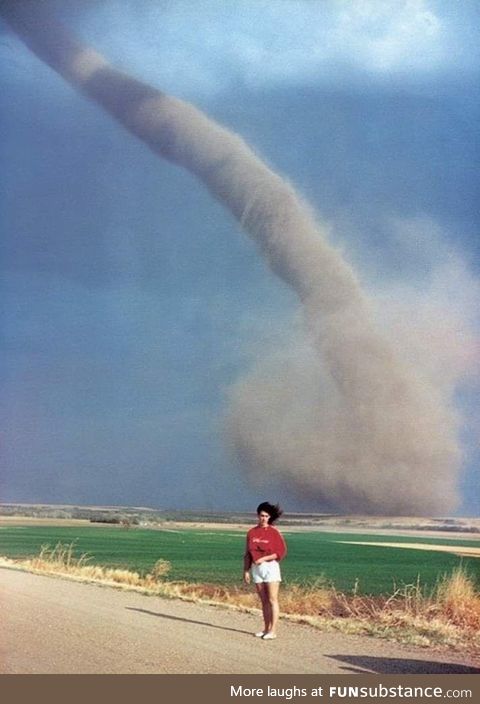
51, 625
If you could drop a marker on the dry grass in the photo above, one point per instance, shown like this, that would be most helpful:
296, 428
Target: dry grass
457, 599
448, 616
60, 559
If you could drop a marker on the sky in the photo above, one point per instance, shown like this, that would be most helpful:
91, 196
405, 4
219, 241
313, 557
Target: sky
132, 301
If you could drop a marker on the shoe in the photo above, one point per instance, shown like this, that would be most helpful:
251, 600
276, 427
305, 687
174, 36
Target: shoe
269, 636
260, 634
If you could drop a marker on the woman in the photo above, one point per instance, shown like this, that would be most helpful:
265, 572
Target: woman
264, 550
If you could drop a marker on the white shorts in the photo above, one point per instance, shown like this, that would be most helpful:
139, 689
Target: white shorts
266, 572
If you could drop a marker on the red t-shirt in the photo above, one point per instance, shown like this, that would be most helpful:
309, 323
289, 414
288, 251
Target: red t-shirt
265, 541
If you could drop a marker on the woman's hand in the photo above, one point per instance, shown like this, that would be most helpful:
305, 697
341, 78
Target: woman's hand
266, 558
246, 577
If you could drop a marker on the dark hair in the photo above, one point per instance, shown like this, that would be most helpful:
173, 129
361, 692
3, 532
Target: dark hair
273, 510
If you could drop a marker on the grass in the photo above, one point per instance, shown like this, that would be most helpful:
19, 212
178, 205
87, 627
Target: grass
214, 557
60, 559
417, 597
447, 615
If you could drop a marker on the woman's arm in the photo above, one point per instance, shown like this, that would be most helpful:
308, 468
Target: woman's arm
247, 563
278, 547
266, 558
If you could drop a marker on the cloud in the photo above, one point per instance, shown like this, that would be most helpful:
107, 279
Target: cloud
265, 42
433, 319
287, 405
391, 35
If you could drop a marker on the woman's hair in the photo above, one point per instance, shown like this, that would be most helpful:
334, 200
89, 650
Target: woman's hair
273, 510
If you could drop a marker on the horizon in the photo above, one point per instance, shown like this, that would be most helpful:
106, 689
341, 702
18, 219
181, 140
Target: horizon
238, 512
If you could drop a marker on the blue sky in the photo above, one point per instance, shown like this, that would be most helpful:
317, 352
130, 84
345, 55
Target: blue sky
132, 301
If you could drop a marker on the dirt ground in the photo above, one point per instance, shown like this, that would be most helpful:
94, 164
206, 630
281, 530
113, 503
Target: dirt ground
51, 625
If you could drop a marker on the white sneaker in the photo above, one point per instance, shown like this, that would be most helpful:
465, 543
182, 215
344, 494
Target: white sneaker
269, 636
260, 634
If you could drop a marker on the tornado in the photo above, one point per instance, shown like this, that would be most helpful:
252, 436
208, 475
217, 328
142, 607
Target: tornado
348, 423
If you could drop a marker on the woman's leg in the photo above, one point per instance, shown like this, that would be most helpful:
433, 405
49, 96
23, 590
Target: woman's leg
272, 595
263, 593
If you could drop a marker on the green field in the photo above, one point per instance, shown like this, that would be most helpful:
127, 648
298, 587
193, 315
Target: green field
216, 555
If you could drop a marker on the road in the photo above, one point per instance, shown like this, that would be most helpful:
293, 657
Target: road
54, 626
